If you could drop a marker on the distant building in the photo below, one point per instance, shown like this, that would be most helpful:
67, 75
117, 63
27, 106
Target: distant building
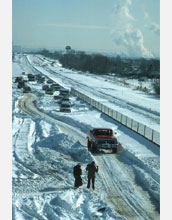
69, 50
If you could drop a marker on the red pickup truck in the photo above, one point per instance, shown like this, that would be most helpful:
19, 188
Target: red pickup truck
101, 138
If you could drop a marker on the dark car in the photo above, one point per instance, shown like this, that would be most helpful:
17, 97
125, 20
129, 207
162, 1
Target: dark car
45, 87
18, 79
64, 99
29, 75
41, 80
50, 81
49, 91
65, 107
31, 78
21, 84
65, 92
56, 97
55, 86
26, 89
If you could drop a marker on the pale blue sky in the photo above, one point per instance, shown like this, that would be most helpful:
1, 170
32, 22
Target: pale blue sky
128, 27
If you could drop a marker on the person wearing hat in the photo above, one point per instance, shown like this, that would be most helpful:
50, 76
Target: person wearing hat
92, 170
77, 172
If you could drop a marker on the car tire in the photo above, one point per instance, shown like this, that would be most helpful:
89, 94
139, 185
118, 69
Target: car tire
114, 150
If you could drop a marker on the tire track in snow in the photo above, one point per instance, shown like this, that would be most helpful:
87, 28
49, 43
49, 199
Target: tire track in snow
115, 100
43, 192
121, 192
119, 102
114, 198
21, 151
128, 207
28, 105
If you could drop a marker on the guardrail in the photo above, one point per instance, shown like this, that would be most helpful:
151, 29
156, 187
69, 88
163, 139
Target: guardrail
130, 123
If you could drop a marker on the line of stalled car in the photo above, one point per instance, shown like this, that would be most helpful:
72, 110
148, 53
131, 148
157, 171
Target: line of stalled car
60, 94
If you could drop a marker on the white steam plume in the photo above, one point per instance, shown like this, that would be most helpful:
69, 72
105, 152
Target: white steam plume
152, 26
127, 39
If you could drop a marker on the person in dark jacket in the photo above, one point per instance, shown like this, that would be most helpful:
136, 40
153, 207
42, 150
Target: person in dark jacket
77, 172
92, 170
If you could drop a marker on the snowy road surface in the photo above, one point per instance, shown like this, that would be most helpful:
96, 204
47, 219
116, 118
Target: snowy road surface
46, 146
122, 99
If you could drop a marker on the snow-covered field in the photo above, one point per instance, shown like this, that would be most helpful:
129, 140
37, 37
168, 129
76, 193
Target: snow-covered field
47, 144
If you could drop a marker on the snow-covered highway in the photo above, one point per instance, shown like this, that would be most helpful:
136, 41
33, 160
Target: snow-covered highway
145, 110
112, 186
47, 144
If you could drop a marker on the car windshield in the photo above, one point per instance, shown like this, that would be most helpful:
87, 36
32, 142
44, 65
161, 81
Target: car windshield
103, 132
65, 105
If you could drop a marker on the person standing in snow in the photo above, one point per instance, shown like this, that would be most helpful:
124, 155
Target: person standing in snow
77, 172
92, 170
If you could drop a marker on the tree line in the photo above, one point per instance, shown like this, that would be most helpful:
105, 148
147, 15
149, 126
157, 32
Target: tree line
101, 64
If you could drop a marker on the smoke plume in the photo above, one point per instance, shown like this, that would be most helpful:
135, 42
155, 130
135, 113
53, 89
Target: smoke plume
127, 38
